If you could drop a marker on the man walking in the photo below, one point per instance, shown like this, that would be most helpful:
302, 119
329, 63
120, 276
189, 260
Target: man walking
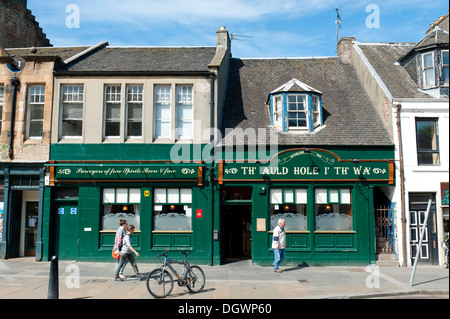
279, 244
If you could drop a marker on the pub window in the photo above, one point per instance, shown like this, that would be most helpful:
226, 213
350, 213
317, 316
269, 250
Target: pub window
121, 203
172, 210
291, 205
334, 209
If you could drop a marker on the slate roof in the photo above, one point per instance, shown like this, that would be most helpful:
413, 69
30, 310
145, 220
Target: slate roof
349, 116
383, 58
144, 59
127, 59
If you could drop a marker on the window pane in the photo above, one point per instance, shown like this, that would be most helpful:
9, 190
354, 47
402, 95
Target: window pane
35, 129
301, 196
276, 196
109, 195
185, 195
112, 129
428, 60
321, 196
346, 196
294, 215
334, 196
72, 128
288, 196
173, 196
160, 195
122, 195
429, 77
112, 214
135, 195
426, 135
172, 217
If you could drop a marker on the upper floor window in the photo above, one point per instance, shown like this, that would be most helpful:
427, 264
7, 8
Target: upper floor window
72, 101
113, 98
162, 110
185, 104
445, 74
297, 110
35, 113
2, 91
427, 141
428, 69
296, 106
135, 100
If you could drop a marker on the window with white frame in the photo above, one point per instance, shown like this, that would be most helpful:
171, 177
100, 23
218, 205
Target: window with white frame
290, 205
2, 92
172, 210
72, 100
135, 99
113, 99
162, 110
316, 110
35, 112
428, 69
278, 111
121, 203
185, 104
445, 66
297, 111
333, 209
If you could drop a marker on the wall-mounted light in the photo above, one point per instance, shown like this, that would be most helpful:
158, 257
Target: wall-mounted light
355, 161
307, 151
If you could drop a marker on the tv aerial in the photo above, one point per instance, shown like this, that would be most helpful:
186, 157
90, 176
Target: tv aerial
338, 26
236, 37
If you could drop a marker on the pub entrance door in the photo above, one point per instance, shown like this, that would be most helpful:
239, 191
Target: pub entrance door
236, 221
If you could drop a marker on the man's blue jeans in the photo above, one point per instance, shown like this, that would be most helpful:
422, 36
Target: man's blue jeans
279, 256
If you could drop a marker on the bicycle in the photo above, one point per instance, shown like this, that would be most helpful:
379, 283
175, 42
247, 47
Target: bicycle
160, 281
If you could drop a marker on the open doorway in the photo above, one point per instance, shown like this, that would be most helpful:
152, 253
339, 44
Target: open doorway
236, 238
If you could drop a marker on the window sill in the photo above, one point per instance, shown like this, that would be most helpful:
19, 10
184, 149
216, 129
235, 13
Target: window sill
172, 232
334, 232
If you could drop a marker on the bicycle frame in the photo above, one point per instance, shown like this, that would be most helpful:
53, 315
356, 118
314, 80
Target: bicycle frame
186, 267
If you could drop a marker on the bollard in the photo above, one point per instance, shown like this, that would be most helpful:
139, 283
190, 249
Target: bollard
53, 285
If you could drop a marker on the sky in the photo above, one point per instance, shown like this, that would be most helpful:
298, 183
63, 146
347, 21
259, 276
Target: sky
263, 28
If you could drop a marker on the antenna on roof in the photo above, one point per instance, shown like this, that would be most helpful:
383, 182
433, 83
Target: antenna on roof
234, 35
338, 26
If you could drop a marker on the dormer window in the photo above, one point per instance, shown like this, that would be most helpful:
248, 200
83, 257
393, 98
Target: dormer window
445, 74
434, 69
295, 106
428, 69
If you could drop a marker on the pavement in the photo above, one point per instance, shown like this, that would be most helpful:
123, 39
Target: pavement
24, 278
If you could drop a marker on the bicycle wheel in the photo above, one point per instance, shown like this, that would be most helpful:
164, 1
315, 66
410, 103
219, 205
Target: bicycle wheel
195, 279
159, 284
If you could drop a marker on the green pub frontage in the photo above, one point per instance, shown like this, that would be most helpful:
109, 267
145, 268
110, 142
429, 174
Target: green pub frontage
220, 212
326, 199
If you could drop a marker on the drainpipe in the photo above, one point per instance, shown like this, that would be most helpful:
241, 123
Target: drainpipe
211, 168
402, 184
15, 84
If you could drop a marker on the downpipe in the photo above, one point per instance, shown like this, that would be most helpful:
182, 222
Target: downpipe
15, 84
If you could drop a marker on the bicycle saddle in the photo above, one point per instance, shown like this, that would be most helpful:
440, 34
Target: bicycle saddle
186, 252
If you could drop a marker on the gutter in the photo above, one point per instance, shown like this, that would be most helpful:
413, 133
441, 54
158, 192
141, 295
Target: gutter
15, 84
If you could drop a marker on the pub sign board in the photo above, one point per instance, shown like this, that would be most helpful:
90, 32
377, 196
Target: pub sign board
307, 165
64, 172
